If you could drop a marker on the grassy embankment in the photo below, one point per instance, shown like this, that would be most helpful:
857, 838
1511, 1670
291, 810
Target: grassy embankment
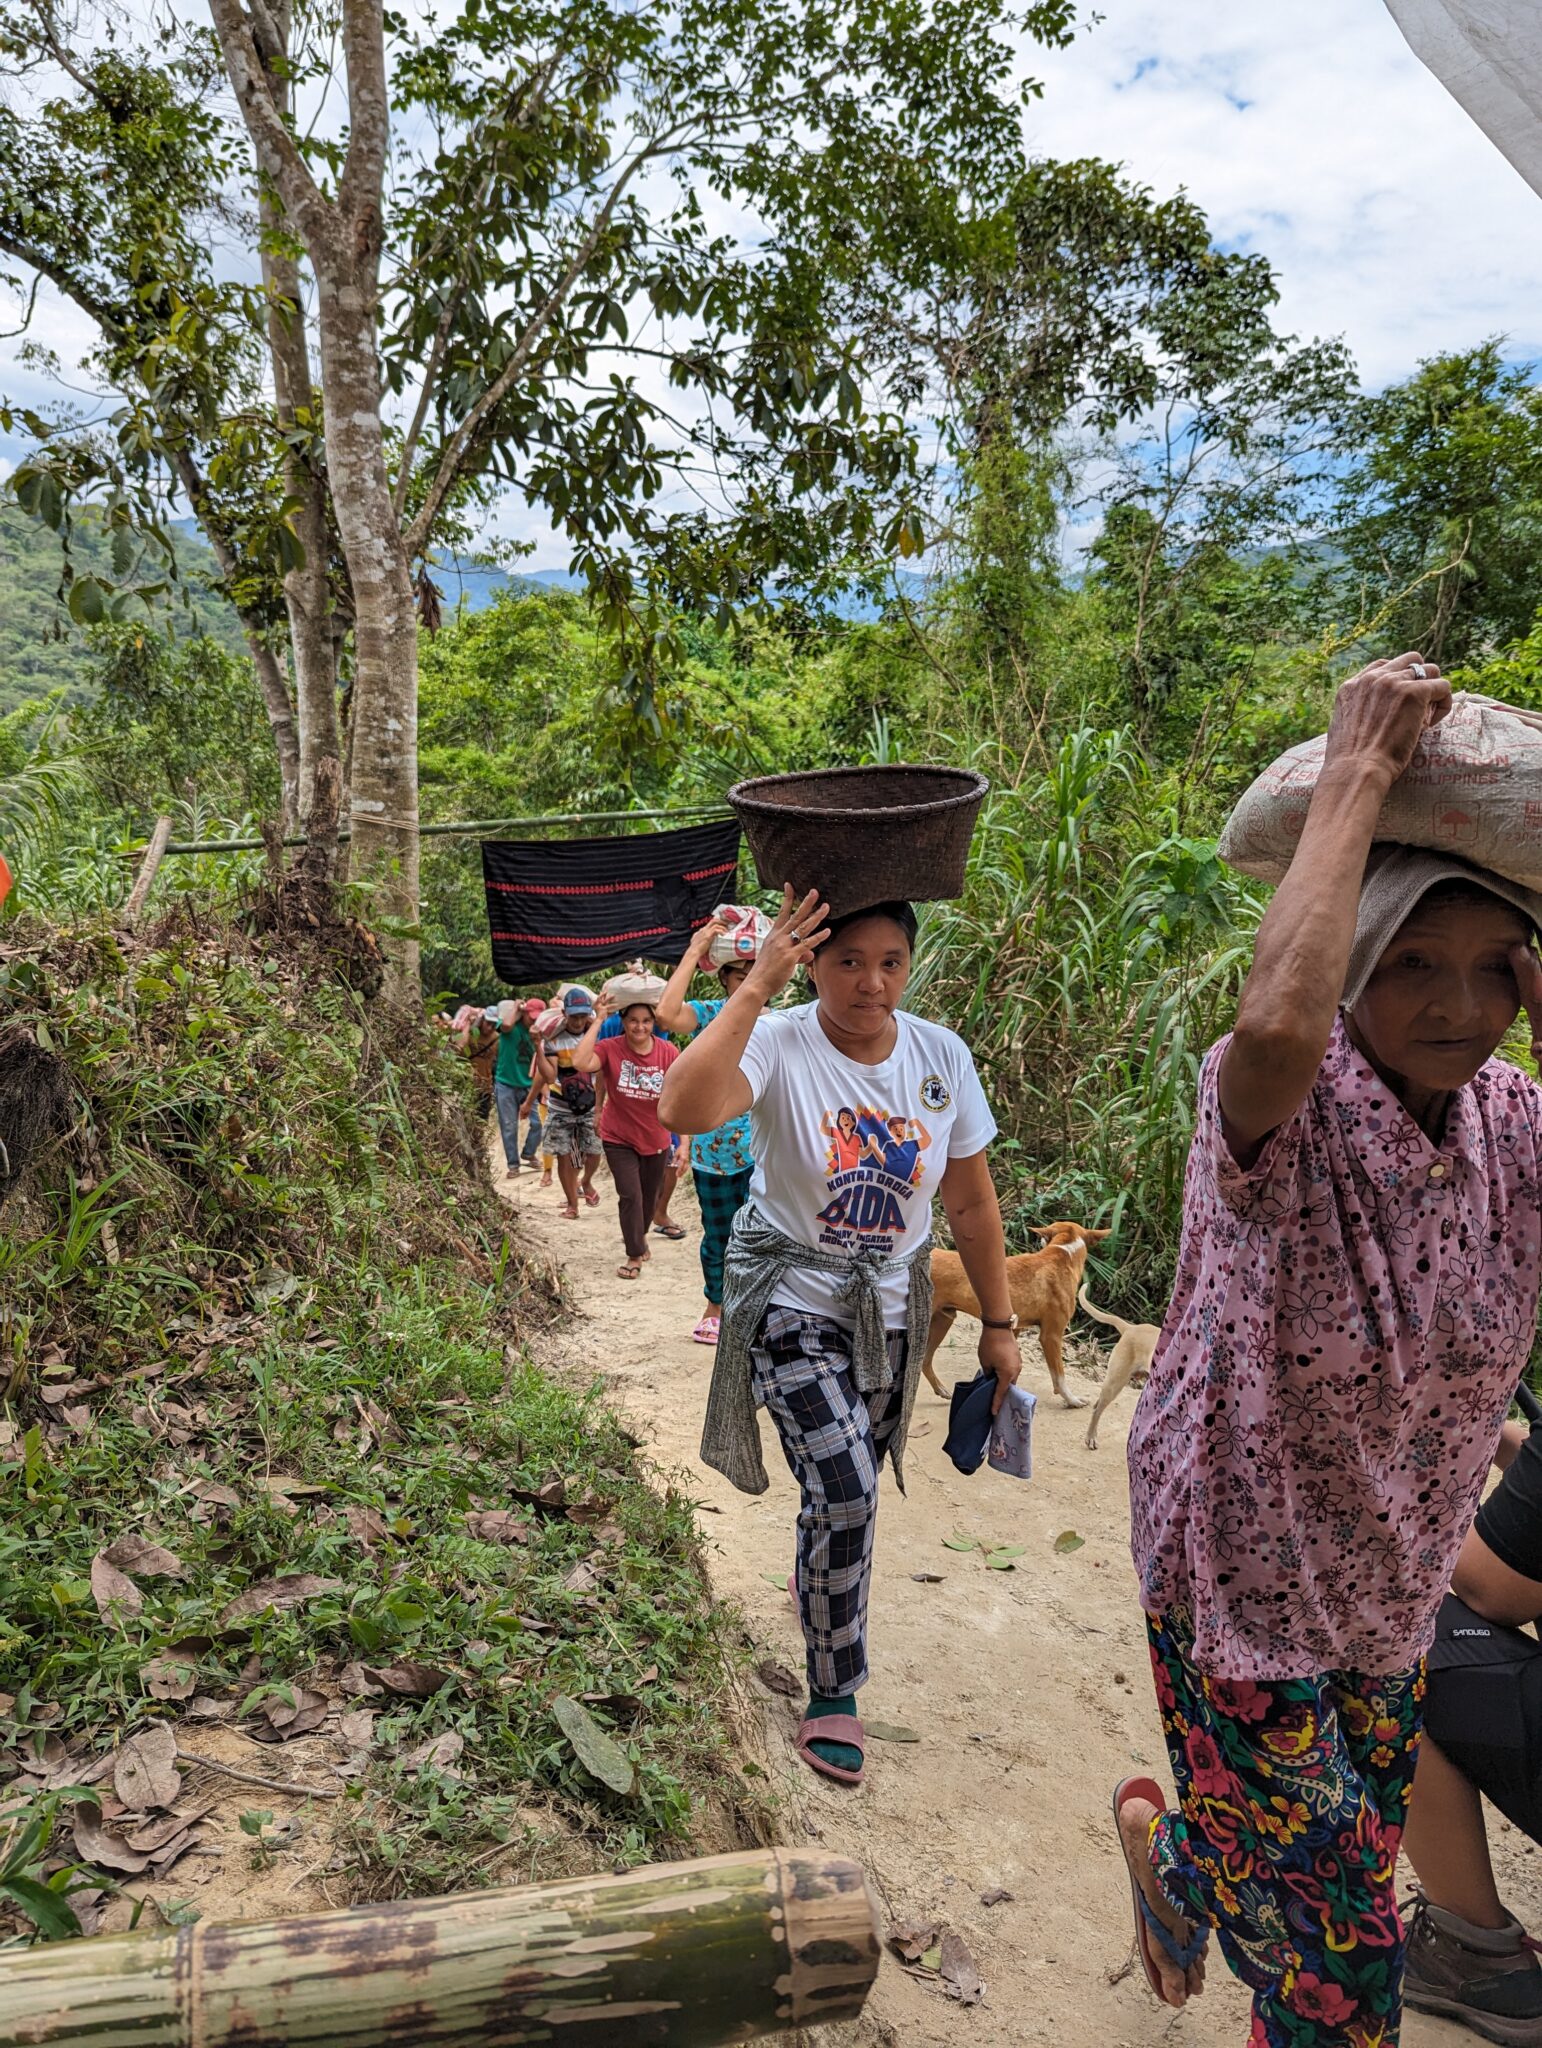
268, 1319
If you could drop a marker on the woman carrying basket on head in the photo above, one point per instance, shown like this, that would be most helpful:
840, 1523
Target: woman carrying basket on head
1356, 1298
827, 1286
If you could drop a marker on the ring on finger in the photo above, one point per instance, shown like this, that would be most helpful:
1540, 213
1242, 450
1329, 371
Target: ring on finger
796, 937
1417, 670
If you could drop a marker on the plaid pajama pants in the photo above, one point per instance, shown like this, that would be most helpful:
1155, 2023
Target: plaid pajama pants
720, 1196
833, 1439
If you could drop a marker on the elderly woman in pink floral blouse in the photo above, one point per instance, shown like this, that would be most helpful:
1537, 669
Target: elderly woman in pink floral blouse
1356, 1299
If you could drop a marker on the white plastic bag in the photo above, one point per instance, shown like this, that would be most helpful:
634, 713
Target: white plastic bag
747, 932
635, 986
1473, 789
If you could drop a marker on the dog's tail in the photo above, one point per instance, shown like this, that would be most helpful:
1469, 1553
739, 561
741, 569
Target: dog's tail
1099, 1315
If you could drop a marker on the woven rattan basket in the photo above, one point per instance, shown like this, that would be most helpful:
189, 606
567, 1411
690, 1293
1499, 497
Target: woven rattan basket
862, 835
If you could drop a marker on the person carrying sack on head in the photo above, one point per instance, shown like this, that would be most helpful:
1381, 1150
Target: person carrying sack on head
1356, 1297
572, 1133
636, 1145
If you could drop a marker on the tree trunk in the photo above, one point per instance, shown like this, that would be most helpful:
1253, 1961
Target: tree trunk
275, 696
343, 237
271, 678
687, 1954
383, 769
307, 589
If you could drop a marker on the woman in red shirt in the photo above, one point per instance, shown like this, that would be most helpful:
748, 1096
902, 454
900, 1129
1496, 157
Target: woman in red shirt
636, 1143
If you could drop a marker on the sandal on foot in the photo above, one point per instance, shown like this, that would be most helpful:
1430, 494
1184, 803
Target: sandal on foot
845, 1729
1148, 1927
628, 1270
591, 1198
706, 1331
671, 1230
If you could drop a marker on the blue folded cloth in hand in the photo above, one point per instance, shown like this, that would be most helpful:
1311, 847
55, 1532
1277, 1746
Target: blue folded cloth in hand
972, 1432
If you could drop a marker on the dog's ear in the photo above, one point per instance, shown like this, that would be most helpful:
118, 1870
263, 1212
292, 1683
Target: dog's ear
1044, 1229
1096, 1236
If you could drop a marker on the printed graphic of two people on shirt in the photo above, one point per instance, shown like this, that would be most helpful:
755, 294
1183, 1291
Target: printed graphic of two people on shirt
873, 1162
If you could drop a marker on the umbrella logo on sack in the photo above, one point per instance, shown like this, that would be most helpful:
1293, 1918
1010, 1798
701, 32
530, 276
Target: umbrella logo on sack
1455, 828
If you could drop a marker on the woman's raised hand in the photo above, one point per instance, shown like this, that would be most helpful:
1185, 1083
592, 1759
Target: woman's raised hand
796, 930
701, 941
1380, 714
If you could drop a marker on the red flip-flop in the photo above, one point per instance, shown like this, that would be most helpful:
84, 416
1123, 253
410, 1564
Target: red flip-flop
1182, 1955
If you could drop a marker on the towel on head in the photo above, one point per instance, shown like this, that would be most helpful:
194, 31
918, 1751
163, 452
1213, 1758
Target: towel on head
1399, 877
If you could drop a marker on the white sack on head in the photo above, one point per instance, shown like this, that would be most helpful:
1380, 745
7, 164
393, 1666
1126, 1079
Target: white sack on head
747, 932
635, 986
1473, 790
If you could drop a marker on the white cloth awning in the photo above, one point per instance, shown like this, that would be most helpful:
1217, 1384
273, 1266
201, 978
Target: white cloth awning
1488, 56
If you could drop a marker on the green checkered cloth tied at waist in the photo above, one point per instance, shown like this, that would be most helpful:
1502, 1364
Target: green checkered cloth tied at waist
758, 1255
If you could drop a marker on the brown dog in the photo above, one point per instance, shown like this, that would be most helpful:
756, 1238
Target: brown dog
1042, 1286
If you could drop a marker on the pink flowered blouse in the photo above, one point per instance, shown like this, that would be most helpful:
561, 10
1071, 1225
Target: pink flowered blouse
1350, 1319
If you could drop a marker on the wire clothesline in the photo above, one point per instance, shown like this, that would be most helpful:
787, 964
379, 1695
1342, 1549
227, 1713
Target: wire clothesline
467, 825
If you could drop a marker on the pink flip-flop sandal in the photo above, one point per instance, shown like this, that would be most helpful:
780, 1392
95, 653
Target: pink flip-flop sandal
707, 1330
842, 1728
1182, 1955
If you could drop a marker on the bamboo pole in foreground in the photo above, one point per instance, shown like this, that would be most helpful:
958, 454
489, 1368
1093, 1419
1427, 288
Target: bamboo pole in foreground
689, 1954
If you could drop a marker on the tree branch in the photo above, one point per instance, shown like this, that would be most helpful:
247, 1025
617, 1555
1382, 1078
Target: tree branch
362, 183
45, 265
278, 156
527, 101
487, 405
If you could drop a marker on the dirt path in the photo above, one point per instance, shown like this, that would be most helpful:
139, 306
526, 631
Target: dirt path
1029, 1689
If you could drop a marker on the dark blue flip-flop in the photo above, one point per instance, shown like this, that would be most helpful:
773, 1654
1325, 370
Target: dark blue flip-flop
1182, 1955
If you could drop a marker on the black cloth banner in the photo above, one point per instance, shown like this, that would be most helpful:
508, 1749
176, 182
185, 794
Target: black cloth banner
561, 909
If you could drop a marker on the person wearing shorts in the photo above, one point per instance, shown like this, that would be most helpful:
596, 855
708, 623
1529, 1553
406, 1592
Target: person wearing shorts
1469, 1958
572, 1134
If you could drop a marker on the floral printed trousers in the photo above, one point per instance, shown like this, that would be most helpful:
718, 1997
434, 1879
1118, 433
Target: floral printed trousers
1291, 1799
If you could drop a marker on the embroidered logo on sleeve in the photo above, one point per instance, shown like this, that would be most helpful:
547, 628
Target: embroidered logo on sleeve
934, 1093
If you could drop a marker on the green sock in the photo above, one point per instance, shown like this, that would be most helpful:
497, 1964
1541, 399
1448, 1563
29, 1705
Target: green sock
842, 1755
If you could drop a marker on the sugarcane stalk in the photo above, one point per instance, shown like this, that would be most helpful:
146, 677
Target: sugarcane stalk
727, 1948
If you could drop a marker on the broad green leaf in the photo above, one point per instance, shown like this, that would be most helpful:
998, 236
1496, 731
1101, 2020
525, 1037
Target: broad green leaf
958, 1542
600, 1756
1067, 1541
50, 1913
88, 601
889, 1731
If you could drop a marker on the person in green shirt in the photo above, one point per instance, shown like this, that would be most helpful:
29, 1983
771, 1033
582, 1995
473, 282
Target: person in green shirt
512, 1073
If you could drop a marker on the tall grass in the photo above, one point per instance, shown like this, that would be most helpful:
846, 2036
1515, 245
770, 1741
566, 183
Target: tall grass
1095, 955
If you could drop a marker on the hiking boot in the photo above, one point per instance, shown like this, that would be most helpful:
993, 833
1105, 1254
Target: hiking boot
1485, 1977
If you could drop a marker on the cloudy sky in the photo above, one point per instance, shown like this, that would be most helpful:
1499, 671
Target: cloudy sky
1306, 129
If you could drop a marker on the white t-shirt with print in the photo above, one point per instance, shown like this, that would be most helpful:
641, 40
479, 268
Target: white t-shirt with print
849, 1155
